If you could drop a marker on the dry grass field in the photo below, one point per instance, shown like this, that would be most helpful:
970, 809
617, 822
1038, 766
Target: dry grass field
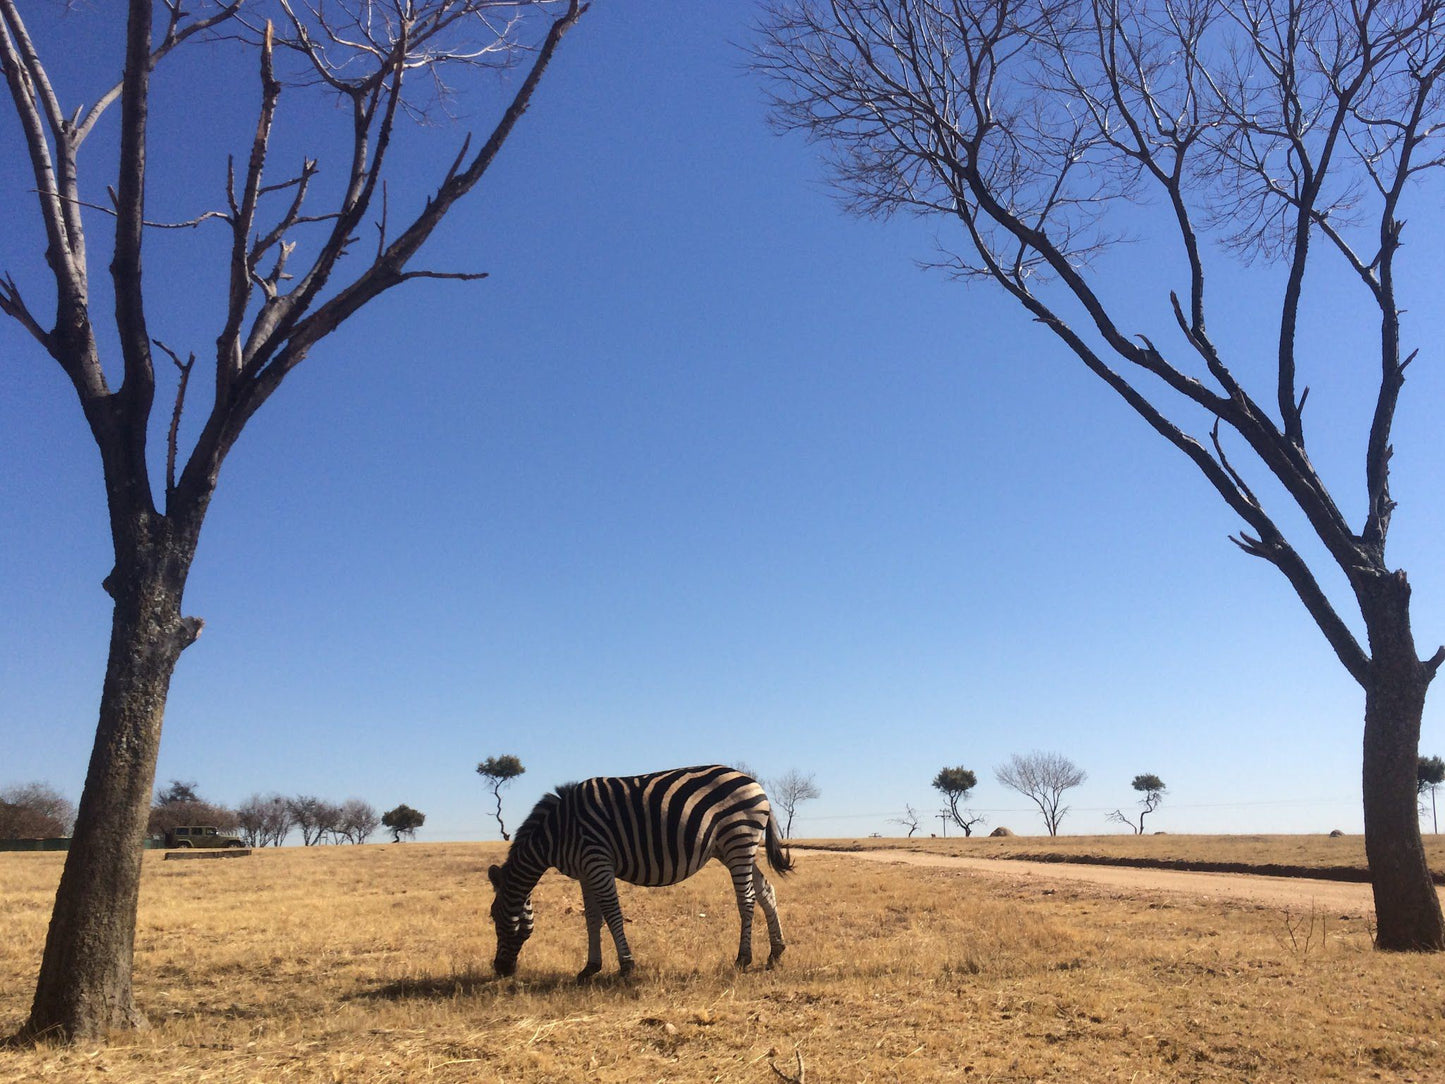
371, 964
1304, 852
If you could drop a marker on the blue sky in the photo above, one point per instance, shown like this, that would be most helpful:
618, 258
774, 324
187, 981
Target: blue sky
705, 471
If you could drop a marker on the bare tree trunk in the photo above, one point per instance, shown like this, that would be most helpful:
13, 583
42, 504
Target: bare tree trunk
1407, 906
84, 987
497, 794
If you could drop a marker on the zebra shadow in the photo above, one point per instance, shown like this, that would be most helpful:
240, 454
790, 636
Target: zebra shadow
446, 987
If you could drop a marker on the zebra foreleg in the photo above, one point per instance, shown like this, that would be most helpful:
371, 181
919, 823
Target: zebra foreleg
769, 900
594, 936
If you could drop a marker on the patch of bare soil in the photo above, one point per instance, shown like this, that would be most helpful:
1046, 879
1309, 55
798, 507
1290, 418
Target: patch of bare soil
1286, 893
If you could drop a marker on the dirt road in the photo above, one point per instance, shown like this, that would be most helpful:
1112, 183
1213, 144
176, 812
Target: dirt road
1288, 893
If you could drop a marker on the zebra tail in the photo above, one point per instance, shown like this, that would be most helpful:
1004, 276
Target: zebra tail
778, 856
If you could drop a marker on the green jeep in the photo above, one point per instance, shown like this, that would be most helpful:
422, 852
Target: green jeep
201, 835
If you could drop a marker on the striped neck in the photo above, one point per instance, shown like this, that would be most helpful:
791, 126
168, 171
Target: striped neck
532, 851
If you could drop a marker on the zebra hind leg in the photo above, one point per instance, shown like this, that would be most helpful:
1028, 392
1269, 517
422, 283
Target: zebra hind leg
769, 900
743, 887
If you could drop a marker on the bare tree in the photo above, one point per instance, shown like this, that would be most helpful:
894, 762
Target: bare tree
500, 771
910, 820
1153, 788
297, 272
265, 822
954, 784
1043, 778
790, 791
358, 820
1290, 132
316, 817
35, 811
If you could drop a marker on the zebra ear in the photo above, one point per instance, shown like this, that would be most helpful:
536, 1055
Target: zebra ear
494, 874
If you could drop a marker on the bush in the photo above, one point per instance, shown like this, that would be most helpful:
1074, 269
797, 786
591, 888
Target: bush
35, 811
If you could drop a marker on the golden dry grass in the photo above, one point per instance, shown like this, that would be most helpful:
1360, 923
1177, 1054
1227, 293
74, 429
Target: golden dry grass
370, 964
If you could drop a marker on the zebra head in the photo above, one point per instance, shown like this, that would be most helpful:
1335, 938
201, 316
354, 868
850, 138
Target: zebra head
513, 919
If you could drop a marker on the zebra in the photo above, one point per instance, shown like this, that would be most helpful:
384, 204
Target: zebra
655, 829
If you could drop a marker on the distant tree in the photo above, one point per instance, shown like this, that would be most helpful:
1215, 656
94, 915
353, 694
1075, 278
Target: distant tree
500, 771
1429, 774
403, 821
250, 820
1043, 778
180, 803
909, 820
954, 784
330, 818
35, 811
357, 821
790, 791
315, 817
1152, 787
177, 792
265, 822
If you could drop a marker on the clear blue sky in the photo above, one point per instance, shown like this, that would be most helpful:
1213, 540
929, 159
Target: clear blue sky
705, 471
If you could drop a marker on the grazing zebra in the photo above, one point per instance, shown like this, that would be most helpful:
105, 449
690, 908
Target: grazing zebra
655, 829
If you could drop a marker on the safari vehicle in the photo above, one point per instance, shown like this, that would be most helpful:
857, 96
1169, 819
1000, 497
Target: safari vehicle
201, 835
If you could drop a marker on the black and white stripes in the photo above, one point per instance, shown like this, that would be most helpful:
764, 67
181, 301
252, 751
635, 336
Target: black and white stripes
654, 829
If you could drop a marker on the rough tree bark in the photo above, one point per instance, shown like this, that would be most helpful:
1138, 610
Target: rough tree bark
84, 986
1407, 905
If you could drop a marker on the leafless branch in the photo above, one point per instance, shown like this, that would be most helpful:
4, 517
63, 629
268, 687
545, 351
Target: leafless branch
39, 115
1026, 123
184, 368
458, 276
229, 357
189, 224
177, 31
262, 344
125, 265
13, 305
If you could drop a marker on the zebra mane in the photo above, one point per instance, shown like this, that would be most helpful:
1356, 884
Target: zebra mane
540, 812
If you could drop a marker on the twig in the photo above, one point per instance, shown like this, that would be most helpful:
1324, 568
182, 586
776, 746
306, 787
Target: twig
191, 224
12, 304
381, 225
802, 1073
461, 276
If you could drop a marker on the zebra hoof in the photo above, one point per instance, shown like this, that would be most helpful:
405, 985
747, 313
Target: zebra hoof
774, 956
742, 964
585, 975
625, 966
